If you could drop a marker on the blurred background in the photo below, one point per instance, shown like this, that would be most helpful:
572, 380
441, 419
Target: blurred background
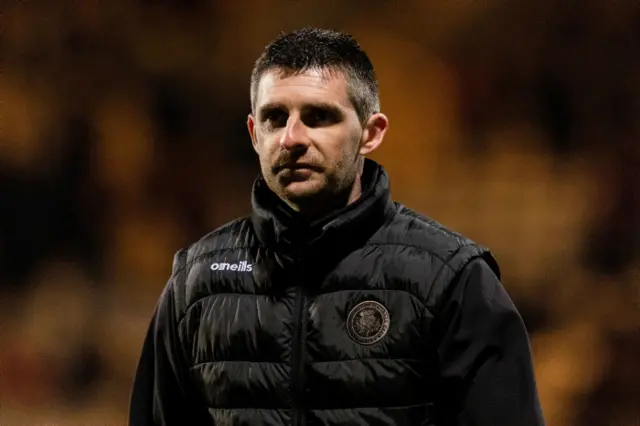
123, 139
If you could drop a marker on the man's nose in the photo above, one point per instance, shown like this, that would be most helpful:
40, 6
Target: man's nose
295, 134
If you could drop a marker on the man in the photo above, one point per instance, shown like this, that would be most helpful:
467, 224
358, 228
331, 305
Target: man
331, 304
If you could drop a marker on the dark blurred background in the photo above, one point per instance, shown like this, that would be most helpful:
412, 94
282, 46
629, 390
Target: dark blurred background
123, 139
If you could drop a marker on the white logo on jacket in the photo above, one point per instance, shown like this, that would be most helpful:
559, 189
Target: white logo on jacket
242, 266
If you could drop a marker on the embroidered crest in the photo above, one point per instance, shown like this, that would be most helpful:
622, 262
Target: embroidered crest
368, 322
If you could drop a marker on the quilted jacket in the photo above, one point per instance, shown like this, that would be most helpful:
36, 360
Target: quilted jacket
374, 315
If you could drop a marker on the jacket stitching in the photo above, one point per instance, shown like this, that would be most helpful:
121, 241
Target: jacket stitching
244, 361
226, 293
422, 404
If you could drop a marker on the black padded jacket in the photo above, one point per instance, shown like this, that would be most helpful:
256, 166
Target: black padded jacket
374, 315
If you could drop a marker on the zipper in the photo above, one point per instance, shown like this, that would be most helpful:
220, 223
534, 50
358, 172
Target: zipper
297, 375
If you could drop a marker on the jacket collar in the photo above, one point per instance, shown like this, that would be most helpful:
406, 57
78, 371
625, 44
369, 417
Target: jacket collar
282, 229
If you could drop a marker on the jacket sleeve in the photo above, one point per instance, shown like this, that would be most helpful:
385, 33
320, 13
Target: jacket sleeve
162, 393
485, 363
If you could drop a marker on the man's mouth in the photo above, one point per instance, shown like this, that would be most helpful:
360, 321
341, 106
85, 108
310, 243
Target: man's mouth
296, 166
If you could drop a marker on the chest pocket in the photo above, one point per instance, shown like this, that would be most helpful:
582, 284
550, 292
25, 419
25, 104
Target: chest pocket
367, 345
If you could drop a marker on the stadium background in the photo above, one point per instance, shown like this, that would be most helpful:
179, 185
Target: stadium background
123, 139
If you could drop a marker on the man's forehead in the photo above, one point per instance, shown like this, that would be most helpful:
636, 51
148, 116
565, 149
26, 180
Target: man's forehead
277, 86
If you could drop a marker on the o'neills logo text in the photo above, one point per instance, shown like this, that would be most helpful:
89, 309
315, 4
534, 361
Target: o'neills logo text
242, 266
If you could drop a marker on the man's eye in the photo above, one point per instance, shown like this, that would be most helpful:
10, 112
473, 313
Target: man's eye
276, 118
319, 117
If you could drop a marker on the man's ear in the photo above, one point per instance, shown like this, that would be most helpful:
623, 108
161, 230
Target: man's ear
251, 126
374, 131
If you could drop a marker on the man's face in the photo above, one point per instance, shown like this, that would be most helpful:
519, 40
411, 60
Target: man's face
307, 135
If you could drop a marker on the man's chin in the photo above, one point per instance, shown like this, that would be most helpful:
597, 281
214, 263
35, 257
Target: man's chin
301, 190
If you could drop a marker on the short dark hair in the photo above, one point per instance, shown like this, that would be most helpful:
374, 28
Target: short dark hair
322, 49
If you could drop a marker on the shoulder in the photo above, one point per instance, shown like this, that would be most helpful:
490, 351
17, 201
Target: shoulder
235, 235
411, 229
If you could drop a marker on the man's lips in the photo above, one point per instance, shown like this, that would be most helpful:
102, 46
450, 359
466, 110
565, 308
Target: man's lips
297, 166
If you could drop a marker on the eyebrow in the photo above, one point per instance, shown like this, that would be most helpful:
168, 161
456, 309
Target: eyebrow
329, 106
266, 108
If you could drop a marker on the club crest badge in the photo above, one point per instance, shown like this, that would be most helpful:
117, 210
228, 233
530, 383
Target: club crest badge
368, 322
